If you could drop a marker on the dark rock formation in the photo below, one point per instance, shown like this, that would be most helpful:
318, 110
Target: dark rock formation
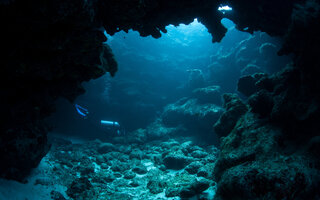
195, 117
247, 84
81, 188
56, 195
22, 148
49, 48
250, 69
261, 103
252, 165
194, 188
235, 108
176, 160
272, 155
209, 94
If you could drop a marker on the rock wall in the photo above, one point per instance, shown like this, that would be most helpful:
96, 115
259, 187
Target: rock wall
271, 152
48, 48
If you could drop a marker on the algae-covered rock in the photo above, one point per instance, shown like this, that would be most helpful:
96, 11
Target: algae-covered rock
194, 188
252, 165
185, 185
176, 160
172, 192
81, 189
109, 177
199, 154
118, 166
194, 167
156, 185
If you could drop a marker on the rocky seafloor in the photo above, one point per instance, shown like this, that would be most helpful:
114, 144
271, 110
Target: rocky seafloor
160, 169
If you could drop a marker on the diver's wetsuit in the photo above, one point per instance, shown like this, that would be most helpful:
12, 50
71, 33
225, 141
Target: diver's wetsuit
105, 126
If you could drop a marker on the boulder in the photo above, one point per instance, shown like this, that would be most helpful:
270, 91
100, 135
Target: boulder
193, 116
105, 148
194, 167
129, 175
235, 108
140, 169
81, 189
194, 188
176, 160
247, 84
199, 154
156, 185
261, 103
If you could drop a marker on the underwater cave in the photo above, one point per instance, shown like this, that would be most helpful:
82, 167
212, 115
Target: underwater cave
150, 99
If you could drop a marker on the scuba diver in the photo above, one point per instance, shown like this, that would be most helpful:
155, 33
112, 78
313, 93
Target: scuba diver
105, 125
82, 111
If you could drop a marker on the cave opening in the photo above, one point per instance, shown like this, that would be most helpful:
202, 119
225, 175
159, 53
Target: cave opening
158, 78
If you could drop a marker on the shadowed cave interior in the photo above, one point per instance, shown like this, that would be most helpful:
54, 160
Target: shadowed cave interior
152, 99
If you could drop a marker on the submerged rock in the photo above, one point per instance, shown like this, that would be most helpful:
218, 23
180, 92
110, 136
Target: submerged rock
81, 189
209, 94
261, 103
203, 173
194, 167
55, 195
172, 192
156, 185
109, 177
129, 175
252, 165
176, 160
105, 148
250, 69
140, 169
199, 154
195, 117
247, 85
235, 108
194, 188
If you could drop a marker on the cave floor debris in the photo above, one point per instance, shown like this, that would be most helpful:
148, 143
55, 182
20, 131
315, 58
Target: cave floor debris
171, 169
